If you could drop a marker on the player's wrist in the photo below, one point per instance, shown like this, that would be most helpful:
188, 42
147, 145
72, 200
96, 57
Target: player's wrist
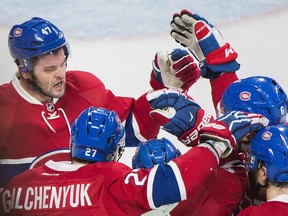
219, 146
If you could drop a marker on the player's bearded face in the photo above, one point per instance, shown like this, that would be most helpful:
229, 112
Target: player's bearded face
48, 75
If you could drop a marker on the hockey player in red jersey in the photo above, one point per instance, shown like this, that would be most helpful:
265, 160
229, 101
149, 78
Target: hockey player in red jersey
269, 165
175, 116
217, 60
260, 95
40, 103
93, 184
253, 94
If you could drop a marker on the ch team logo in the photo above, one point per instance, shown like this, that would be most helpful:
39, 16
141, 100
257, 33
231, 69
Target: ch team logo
245, 96
17, 32
266, 135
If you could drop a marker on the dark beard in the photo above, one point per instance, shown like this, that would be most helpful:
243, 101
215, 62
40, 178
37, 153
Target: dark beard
36, 87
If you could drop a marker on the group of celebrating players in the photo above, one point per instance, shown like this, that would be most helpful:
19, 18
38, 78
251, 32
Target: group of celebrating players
63, 132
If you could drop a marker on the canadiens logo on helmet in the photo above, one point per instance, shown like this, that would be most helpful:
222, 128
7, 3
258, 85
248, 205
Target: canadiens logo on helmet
17, 32
245, 96
267, 135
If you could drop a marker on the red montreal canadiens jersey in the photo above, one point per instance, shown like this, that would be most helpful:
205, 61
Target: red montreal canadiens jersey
107, 188
29, 128
278, 206
251, 197
221, 194
225, 189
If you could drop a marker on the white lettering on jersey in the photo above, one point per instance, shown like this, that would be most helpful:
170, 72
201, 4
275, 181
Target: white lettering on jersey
46, 197
136, 179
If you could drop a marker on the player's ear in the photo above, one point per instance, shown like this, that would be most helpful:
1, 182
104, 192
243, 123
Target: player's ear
261, 176
264, 173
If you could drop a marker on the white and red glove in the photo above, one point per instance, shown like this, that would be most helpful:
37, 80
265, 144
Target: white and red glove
178, 114
176, 70
232, 127
205, 42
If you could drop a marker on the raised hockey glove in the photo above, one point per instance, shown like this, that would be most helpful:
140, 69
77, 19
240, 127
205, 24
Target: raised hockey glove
232, 127
205, 42
178, 114
176, 70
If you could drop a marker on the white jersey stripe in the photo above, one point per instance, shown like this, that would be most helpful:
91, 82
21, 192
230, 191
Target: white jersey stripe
17, 161
150, 187
179, 179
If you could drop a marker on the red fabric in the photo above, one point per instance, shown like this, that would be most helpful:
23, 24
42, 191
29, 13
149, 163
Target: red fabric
272, 208
220, 195
25, 133
22, 126
104, 188
222, 55
219, 85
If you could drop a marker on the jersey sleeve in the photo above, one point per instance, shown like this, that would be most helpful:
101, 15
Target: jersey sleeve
133, 112
166, 184
219, 85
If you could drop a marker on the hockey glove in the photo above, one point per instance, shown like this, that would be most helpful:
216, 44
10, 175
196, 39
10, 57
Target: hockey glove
232, 127
176, 70
178, 115
205, 42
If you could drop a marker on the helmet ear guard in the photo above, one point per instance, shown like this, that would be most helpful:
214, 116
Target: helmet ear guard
22, 65
23, 69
